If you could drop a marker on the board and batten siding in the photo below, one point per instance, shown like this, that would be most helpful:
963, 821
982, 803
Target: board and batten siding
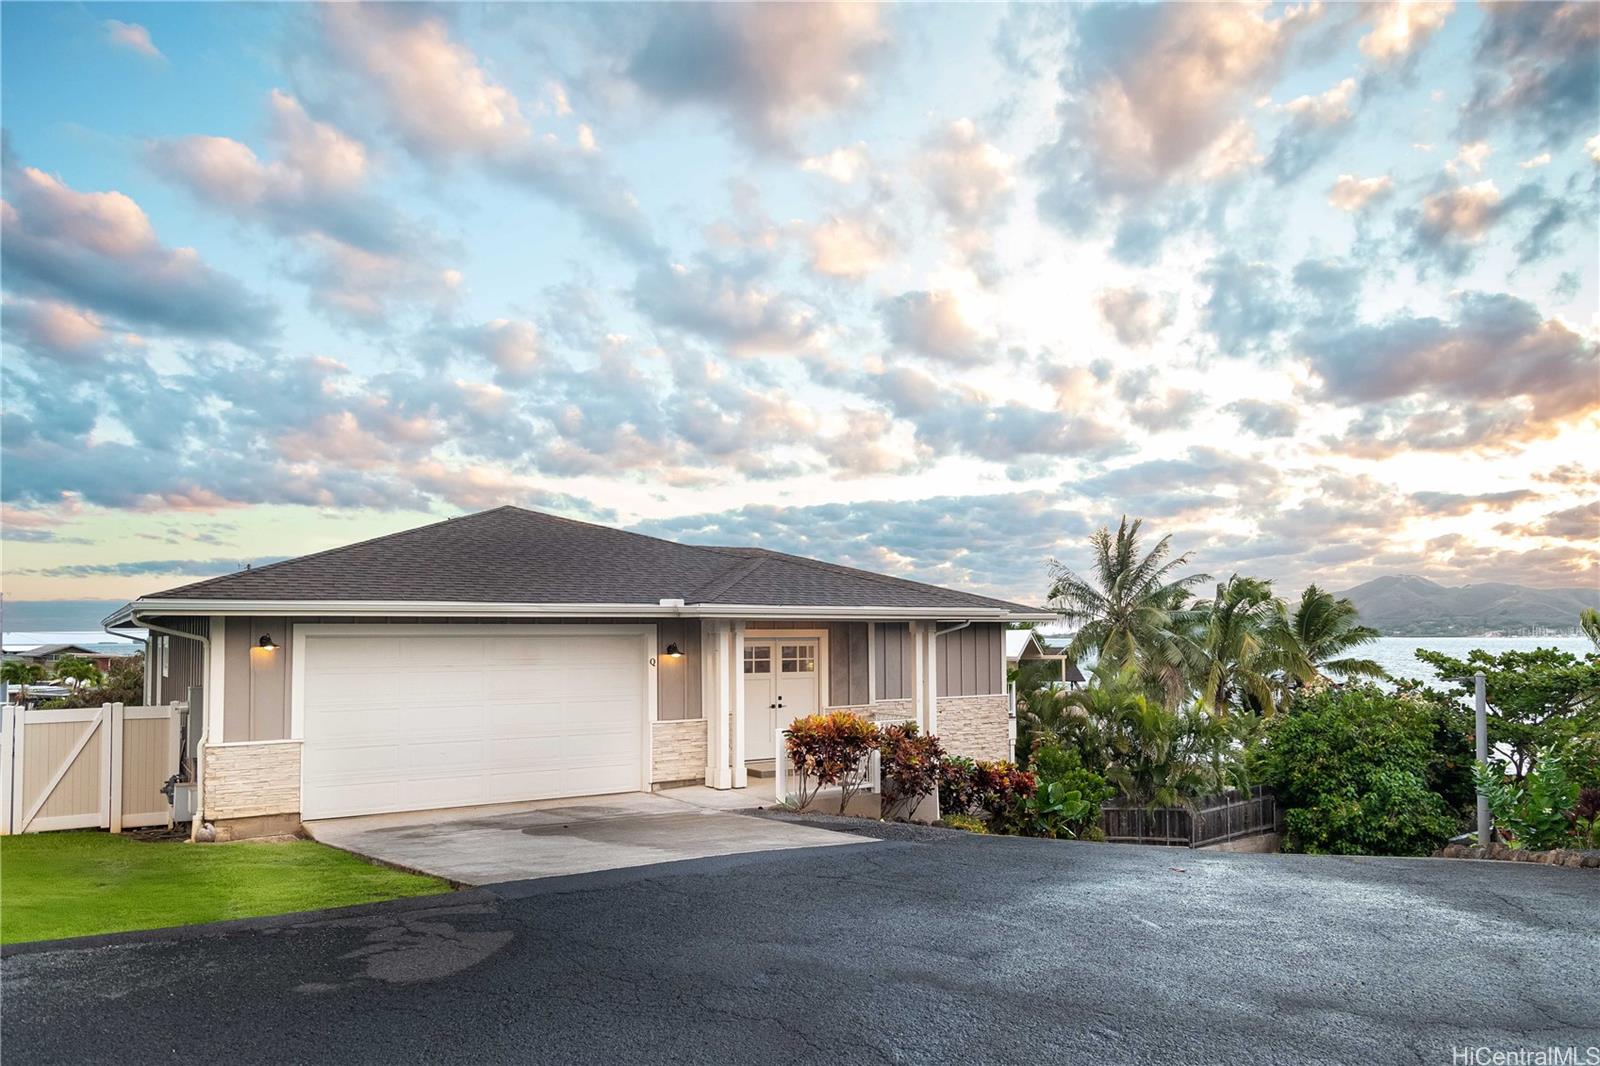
186, 660
896, 661
256, 680
971, 661
847, 656
678, 680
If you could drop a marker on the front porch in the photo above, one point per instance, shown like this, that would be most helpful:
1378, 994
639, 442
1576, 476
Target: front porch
755, 676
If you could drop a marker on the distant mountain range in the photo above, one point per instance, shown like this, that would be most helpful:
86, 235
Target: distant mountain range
1402, 605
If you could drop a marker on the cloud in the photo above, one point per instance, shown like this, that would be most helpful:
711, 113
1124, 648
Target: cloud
1153, 404
1449, 225
1580, 523
1245, 310
768, 67
1352, 194
445, 106
845, 246
1153, 95
1314, 128
844, 165
512, 347
970, 181
199, 568
1538, 71
1499, 372
1136, 316
133, 37
98, 252
1455, 503
1263, 418
724, 306
933, 324
1401, 28
58, 329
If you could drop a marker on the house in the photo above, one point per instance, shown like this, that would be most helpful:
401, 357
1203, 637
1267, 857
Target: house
47, 655
1030, 645
512, 655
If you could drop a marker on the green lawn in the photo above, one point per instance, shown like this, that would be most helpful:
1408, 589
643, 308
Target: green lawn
80, 883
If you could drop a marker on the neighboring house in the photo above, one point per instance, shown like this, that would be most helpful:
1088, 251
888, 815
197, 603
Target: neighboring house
47, 655
1030, 645
512, 655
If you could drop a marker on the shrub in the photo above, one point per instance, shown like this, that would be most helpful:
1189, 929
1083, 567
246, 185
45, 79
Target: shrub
958, 792
1052, 811
1002, 789
1053, 764
1350, 767
1536, 812
909, 762
967, 822
830, 749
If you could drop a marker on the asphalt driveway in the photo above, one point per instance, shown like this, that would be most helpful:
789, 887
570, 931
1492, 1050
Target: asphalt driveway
553, 838
928, 947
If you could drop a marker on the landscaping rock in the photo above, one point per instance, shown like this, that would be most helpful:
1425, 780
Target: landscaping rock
1477, 852
1454, 851
1592, 860
1574, 861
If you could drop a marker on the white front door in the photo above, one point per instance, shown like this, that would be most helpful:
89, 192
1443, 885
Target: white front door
780, 685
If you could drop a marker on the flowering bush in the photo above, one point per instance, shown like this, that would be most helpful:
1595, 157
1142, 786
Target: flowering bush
830, 749
910, 765
957, 785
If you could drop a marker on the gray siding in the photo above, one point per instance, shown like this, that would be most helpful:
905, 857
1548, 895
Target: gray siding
678, 680
256, 681
896, 661
970, 661
186, 661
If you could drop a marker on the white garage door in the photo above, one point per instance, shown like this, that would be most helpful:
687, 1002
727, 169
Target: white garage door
404, 723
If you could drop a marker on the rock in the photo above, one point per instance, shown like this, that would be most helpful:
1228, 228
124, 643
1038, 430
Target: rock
1476, 852
1454, 851
1573, 861
1524, 855
1592, 860
1500, 851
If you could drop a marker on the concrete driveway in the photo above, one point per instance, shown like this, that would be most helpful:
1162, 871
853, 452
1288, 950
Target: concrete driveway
490, 845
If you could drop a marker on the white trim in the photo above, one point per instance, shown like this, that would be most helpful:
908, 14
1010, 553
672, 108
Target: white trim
401, 608
216, 689
114, 766
741, 774
297, 682
932, 631
255, 743
821, 637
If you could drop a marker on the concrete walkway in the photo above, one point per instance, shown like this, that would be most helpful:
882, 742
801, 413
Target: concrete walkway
516, 842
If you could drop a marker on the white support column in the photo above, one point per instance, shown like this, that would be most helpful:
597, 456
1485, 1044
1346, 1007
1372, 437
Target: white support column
718, 700
736, 667
919, 679
872, 664
933, 678
216, 682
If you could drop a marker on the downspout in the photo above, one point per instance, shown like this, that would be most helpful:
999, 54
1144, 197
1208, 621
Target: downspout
205, 724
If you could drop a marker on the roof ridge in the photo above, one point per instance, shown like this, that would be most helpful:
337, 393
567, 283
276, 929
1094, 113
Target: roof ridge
727, 580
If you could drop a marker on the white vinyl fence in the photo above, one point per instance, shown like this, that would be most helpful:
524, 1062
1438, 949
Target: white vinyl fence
83, 768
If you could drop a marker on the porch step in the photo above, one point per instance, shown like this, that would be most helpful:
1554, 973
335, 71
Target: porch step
763, 768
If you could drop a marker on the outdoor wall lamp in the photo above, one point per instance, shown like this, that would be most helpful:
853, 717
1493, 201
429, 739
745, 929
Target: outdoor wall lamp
672, 652
266, 642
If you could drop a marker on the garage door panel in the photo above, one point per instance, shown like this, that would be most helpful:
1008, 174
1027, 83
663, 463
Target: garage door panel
413, 722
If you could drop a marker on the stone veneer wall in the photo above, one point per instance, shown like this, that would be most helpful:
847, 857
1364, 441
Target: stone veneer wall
978, 727
678, 751
249, 780
884, 711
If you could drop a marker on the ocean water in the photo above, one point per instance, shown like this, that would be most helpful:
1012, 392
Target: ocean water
1396, 654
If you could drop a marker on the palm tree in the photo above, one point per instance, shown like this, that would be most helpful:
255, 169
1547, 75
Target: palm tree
1320, 633
1233, 647
77, 670
1123, 614
1589, 622
22, 674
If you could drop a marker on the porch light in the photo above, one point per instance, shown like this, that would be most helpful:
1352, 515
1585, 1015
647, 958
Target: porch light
672, 652
266, 642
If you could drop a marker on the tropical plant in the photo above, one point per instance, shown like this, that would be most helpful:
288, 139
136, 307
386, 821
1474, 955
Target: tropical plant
1539, 700
1147, 757
1123, 610
909, 763
830, 749
958, 792
1537, 811
1589, 622
1233, 647
124, 684
1053, 811
1000, 789
22, 674
77, 671
1350, 767
1319, 636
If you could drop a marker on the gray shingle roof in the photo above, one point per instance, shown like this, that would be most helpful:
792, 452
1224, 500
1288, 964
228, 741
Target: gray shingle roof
512, 555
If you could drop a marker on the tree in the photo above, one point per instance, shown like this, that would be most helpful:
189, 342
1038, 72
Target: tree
77, 670
1589, 622
1538, 700
1233, 645
1320, 633
22, 674
124, 684
1123, 611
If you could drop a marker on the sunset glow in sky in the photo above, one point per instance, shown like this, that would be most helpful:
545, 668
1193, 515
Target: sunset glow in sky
929, 290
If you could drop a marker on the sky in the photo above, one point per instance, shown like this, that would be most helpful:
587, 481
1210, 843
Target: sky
931, 290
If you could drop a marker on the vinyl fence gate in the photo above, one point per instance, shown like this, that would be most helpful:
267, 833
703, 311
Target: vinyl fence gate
87, 767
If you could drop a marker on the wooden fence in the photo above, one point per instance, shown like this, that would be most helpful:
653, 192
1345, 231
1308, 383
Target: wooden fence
1212, 820
90, 767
